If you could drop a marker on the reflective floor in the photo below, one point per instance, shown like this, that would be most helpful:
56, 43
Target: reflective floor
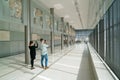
69, 64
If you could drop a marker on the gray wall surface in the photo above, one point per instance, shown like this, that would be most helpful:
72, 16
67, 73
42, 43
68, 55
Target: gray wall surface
14, 16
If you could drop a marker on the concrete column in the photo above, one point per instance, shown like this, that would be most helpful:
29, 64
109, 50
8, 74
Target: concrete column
27, 55
62, 41
29, 19
68, 34
27, 22
52, 29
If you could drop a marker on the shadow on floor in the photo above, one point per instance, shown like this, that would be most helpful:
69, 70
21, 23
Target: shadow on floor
84, 71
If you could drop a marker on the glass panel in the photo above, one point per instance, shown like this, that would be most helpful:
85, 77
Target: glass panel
115, 12
111, 16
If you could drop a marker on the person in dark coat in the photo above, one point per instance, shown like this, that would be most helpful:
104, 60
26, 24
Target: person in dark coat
32, 48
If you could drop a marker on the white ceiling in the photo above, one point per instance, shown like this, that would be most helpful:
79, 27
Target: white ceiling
69, 12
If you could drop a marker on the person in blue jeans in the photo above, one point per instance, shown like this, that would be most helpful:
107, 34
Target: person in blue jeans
44, 53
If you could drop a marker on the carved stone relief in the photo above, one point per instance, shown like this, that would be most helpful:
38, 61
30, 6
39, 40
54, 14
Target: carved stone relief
15, 8
48, 21
38, 12
38, 16
41, 22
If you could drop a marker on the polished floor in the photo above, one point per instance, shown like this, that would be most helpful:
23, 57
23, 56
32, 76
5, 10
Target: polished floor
69, 64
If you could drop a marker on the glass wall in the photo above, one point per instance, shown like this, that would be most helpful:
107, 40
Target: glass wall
81, 35
109, 37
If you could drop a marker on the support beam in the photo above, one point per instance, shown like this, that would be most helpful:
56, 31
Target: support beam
52, 29
62, 41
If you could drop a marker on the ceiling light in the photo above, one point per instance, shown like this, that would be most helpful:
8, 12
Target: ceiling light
58, 6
